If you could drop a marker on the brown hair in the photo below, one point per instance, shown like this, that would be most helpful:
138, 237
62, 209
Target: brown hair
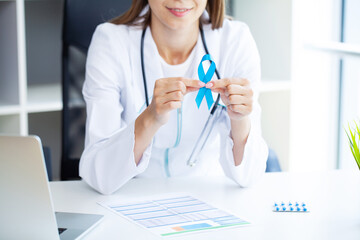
215, 8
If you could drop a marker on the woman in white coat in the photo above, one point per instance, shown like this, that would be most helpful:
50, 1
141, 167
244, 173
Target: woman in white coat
140, 89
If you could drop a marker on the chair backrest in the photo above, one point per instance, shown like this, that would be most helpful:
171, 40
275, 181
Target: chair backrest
80, 20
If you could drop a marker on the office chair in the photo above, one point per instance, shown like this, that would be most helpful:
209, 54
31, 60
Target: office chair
79, 22
272, 164
48, 164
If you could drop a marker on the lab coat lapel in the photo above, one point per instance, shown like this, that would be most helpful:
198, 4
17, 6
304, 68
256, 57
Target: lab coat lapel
153, 69
167, 134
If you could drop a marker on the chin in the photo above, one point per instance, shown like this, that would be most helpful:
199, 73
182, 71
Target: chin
177, 25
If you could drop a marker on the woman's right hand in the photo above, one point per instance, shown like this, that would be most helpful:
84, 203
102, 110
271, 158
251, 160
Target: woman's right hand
169, 94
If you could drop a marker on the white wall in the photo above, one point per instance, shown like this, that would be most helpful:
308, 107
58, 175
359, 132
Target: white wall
281, 29
275, 122
314, 86
270, 24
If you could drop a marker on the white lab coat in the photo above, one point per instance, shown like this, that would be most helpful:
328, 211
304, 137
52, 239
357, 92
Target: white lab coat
114, 95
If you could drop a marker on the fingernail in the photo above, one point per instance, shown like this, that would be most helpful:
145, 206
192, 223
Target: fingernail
201, 84
209, 85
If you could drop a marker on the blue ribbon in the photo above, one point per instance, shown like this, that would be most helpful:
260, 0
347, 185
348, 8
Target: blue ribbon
205, 78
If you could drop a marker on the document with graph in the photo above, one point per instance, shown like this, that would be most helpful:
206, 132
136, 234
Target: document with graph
174, 214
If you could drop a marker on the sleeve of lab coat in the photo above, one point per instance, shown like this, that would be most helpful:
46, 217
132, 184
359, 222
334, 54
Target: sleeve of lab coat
253, 164
107, 162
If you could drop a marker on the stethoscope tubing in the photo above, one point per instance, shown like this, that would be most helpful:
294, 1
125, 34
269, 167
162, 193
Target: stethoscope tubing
191, 162
143, 66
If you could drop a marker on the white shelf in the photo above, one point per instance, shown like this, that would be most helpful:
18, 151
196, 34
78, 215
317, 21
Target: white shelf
9, 109
40, 98
274, 85
44, 98
338, 48
30, 70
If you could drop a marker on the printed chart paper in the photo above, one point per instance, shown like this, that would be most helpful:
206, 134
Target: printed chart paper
175, 215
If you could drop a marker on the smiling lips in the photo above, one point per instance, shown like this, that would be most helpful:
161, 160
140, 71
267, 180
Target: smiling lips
179, 12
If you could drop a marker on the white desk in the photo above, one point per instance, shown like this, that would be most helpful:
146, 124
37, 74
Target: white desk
333, 199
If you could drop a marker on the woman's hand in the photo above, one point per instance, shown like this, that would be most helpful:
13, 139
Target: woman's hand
169, 94
236, 95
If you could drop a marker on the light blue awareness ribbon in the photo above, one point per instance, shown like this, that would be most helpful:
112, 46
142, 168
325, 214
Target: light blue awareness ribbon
205, 78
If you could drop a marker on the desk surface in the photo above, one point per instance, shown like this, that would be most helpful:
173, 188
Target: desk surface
333, 199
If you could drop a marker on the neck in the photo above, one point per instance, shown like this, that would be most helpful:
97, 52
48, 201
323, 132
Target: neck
174, 46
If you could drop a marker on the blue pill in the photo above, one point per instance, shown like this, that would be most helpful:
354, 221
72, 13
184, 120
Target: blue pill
284, 208
298, 209
291, 209
304, 209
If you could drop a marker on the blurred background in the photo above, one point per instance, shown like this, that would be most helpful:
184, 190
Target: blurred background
310, 52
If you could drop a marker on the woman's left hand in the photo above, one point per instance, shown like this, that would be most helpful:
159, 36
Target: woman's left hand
236, 94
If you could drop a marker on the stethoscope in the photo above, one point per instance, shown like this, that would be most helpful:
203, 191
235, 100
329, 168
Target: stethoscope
210, 122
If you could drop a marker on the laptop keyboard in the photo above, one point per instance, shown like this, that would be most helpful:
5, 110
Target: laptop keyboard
61, 230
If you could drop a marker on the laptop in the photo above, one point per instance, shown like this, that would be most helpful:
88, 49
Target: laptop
26, 208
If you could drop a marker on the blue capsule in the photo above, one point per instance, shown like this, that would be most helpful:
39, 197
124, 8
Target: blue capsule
290, 207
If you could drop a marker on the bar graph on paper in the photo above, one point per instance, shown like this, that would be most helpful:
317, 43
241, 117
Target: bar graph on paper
174, 215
